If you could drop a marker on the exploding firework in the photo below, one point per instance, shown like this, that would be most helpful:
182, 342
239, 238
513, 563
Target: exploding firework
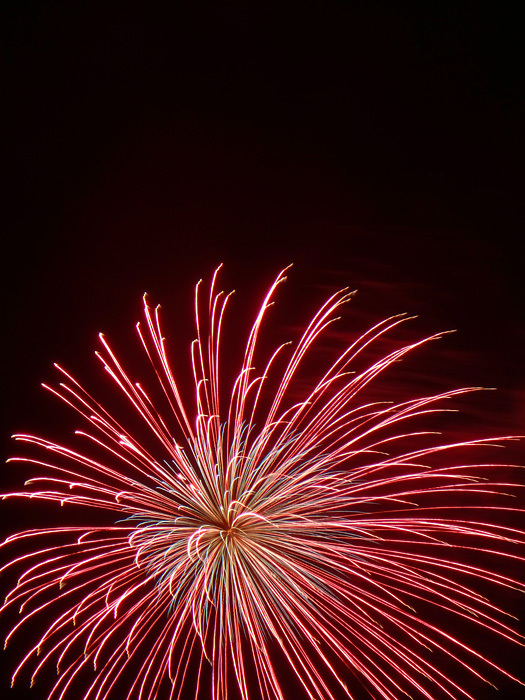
263, 537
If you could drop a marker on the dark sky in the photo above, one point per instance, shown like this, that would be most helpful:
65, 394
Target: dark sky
376, 145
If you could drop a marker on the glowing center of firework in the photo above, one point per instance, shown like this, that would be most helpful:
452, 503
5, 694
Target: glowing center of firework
230, 533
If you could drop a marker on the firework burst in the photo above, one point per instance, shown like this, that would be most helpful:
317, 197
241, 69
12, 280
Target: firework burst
259, 529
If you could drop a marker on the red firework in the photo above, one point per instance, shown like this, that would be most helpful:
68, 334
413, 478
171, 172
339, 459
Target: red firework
263, 527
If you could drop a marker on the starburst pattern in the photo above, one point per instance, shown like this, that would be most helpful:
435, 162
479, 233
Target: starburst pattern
259, 529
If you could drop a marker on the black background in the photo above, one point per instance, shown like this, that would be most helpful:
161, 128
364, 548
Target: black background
375, 145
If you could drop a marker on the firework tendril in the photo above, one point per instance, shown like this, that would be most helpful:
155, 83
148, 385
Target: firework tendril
263, 536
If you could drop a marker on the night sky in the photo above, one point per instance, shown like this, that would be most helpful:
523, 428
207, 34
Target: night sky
374, 145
